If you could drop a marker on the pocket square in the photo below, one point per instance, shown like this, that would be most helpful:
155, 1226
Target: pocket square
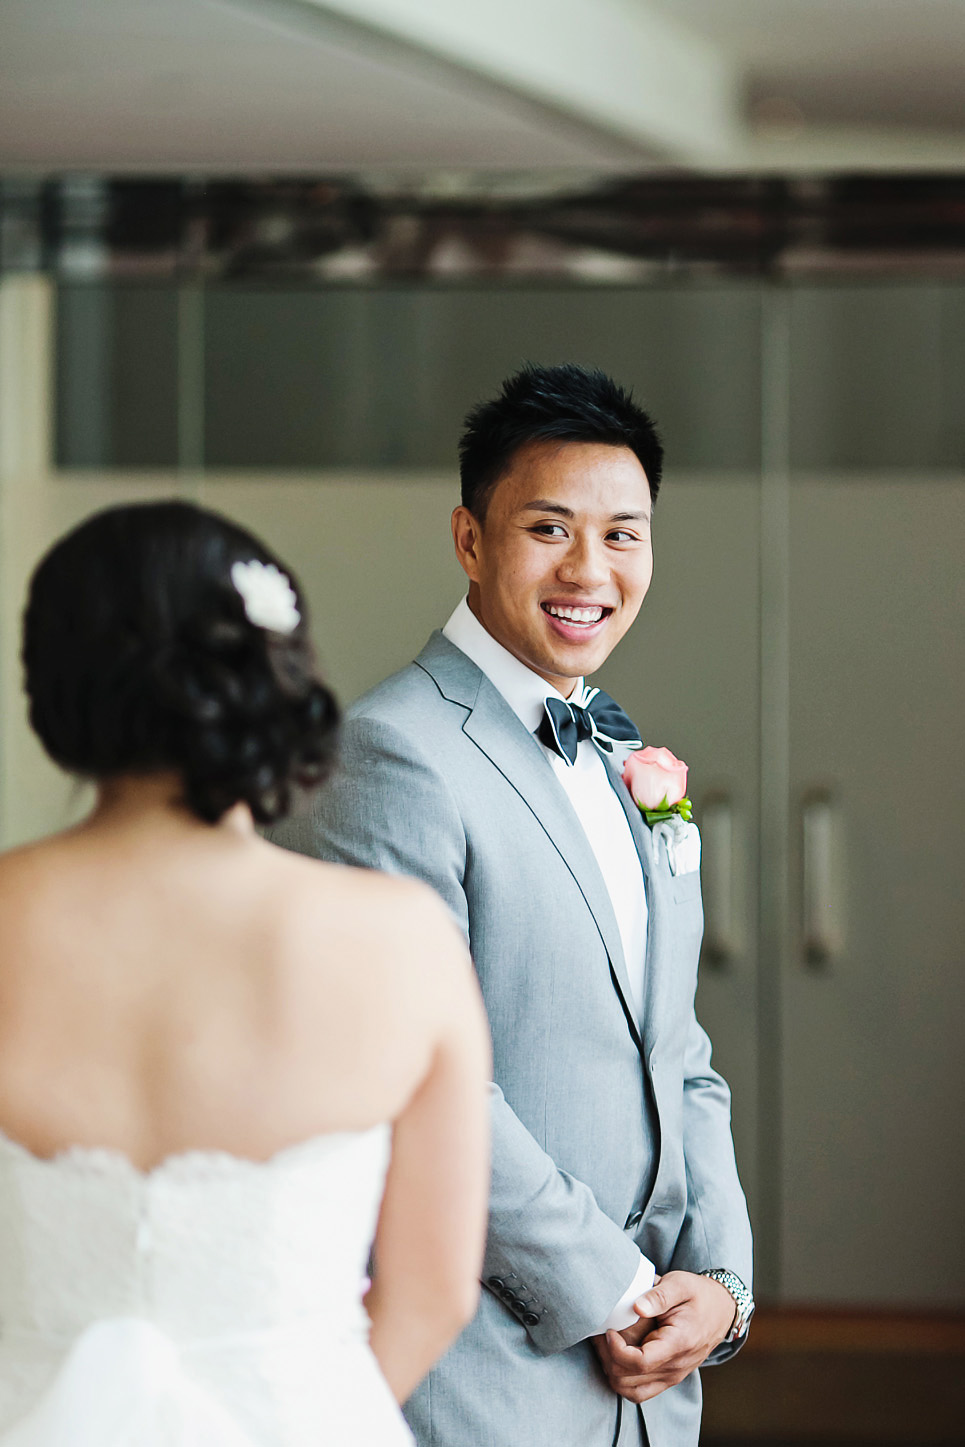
682, 842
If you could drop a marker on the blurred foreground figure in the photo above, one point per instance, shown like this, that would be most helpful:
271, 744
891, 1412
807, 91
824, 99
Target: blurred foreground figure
488, 769
214, 1055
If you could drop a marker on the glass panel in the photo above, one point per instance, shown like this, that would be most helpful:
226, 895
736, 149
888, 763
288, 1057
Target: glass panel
953, 376
866, 376
291, 377
383, 377
691, 355
117, 384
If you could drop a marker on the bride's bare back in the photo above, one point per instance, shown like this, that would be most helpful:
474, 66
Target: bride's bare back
167, 984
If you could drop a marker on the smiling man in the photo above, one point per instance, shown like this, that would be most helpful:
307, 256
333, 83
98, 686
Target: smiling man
487, 768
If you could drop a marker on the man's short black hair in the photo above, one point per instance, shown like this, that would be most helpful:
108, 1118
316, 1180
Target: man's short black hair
566, 403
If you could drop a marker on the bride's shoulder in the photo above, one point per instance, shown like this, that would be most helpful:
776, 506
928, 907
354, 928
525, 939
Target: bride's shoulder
357, 893
38, 889
25, 870
374, 958
22, 857
376, 920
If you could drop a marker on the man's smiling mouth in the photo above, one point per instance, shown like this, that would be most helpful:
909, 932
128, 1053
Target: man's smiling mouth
586, 616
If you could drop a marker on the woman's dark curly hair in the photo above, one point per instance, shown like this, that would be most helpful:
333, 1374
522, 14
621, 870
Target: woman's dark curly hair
139, 657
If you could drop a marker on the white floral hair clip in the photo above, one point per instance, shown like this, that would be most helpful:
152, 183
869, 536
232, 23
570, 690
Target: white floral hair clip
268, 596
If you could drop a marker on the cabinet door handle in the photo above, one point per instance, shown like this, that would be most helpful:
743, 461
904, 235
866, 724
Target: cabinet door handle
717, 879
817, 885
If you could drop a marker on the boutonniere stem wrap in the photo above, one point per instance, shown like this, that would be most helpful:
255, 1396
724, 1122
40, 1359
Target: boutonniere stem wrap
657, 781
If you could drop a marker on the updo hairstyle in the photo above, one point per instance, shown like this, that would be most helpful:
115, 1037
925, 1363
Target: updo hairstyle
139, 656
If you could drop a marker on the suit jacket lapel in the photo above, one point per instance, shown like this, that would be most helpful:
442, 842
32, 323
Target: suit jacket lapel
656, 872
496, 730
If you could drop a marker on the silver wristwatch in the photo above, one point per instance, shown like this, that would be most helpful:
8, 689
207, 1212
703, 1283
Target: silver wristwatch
743, 1300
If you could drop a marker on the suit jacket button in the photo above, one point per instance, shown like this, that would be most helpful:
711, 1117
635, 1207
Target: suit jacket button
531, 1319
518, 1305
496, 1282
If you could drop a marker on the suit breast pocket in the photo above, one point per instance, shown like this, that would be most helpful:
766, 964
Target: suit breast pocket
686, 888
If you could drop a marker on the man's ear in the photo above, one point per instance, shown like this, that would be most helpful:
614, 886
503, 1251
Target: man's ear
467, 539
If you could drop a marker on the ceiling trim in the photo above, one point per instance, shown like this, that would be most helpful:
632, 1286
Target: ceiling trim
627, 71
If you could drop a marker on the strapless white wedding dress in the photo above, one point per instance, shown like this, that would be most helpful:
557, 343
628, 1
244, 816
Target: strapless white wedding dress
211, 1302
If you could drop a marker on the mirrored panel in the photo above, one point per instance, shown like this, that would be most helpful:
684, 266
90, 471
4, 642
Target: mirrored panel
116, 391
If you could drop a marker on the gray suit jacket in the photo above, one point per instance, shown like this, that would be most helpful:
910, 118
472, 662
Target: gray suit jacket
605, 1133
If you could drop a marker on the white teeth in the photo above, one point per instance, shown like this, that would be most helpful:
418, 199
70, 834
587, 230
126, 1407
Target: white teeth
575, 615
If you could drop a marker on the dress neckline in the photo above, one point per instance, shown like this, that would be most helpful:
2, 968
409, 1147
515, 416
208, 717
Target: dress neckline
191, 1163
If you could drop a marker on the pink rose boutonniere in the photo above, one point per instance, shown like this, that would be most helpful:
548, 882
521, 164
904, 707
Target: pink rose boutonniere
657, 781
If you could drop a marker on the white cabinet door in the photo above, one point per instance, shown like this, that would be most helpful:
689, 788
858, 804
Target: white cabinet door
872, 1156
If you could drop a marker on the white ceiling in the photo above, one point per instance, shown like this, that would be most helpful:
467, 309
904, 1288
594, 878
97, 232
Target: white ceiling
410, 86
874, 62
181, 84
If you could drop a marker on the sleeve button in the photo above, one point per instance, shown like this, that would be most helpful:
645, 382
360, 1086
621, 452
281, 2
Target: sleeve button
531, 1319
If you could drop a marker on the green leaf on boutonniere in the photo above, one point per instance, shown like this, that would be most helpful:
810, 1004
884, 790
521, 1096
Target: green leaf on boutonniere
657, 816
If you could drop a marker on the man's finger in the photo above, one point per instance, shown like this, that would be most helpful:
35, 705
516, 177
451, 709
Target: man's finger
669, 1291
659, 1300
661, 1349
649, 1389
635, 1333
627, 1381
626, 1356
634, 1388
653, 1303
639, 1389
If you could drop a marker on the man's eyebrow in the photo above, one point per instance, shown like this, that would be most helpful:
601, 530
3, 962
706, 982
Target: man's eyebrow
542, 504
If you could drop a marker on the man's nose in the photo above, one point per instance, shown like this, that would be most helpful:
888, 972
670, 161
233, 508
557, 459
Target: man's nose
584, 564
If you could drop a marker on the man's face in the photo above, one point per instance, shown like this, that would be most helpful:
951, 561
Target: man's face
562, 563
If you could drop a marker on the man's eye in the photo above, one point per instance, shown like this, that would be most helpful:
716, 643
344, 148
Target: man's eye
550, 530
619, 536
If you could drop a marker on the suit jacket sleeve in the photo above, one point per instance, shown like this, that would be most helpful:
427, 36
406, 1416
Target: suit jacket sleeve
557, 1261
716, 1230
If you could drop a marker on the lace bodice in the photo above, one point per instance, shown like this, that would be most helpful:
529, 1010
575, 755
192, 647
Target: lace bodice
243, 1279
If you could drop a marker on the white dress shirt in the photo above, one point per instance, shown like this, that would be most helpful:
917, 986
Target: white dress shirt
604, 823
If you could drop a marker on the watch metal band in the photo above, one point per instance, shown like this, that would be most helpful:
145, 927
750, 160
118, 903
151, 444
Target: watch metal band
743, 1299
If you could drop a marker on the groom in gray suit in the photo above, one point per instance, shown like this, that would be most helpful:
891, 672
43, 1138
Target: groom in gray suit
488, 769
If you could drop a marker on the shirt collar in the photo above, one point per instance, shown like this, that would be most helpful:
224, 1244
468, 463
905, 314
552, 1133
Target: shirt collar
522, 689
